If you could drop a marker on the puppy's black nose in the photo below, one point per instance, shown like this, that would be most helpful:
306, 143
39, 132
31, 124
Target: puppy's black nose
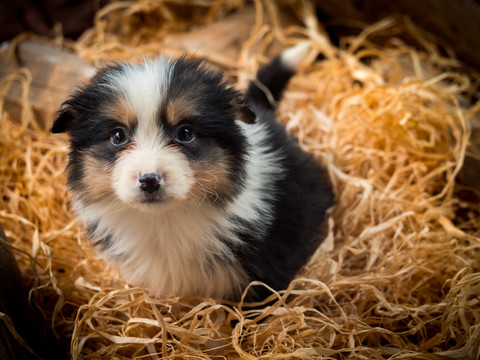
150, 182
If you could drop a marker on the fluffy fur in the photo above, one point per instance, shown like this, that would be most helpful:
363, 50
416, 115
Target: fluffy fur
189, 187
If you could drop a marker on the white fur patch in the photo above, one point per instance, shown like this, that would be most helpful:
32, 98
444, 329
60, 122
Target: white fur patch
262, 168
151, 155
175, 252
294, 57
144, 87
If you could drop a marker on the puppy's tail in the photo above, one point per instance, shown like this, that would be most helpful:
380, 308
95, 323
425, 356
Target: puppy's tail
267, 89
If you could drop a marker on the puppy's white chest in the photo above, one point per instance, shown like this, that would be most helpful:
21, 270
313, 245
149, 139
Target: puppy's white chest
182, 261
173, 253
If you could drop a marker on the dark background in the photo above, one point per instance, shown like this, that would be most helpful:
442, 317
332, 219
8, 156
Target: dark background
39, 16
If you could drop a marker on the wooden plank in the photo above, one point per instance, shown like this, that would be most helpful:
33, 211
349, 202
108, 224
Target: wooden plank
222, 40
55, 73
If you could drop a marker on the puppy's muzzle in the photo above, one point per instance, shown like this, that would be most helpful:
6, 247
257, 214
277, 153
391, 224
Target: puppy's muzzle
150, 183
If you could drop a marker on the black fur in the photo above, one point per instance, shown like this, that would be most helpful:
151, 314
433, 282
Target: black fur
79, 116
275, 78
304, 195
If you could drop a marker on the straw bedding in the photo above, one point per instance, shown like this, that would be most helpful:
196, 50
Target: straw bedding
398, 275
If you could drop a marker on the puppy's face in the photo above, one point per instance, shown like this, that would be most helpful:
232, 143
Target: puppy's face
155, 134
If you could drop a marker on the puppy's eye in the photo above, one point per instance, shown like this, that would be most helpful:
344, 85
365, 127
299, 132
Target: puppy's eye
185, 134
119, 137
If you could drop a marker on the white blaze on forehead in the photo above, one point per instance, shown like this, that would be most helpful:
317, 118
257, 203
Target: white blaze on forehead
144, 87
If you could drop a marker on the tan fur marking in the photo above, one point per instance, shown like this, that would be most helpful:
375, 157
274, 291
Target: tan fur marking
179, 109
96, 179
121, 112
211, 178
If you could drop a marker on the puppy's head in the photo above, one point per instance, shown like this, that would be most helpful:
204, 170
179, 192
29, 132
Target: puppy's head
155, 134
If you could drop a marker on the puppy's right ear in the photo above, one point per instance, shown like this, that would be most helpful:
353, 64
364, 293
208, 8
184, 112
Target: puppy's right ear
64, 121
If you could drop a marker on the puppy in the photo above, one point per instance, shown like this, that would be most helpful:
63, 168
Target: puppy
187, 186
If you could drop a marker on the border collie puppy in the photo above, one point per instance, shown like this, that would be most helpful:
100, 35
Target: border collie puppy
187, 186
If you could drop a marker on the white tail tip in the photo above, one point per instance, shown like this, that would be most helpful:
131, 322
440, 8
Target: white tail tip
296, 55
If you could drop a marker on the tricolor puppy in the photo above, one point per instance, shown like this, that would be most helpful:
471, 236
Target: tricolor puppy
187, 186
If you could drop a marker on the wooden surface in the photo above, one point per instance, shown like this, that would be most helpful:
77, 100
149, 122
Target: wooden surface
55, 73
222, 40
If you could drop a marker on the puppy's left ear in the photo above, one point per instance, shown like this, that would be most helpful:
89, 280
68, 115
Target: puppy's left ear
64, 121
247, 115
